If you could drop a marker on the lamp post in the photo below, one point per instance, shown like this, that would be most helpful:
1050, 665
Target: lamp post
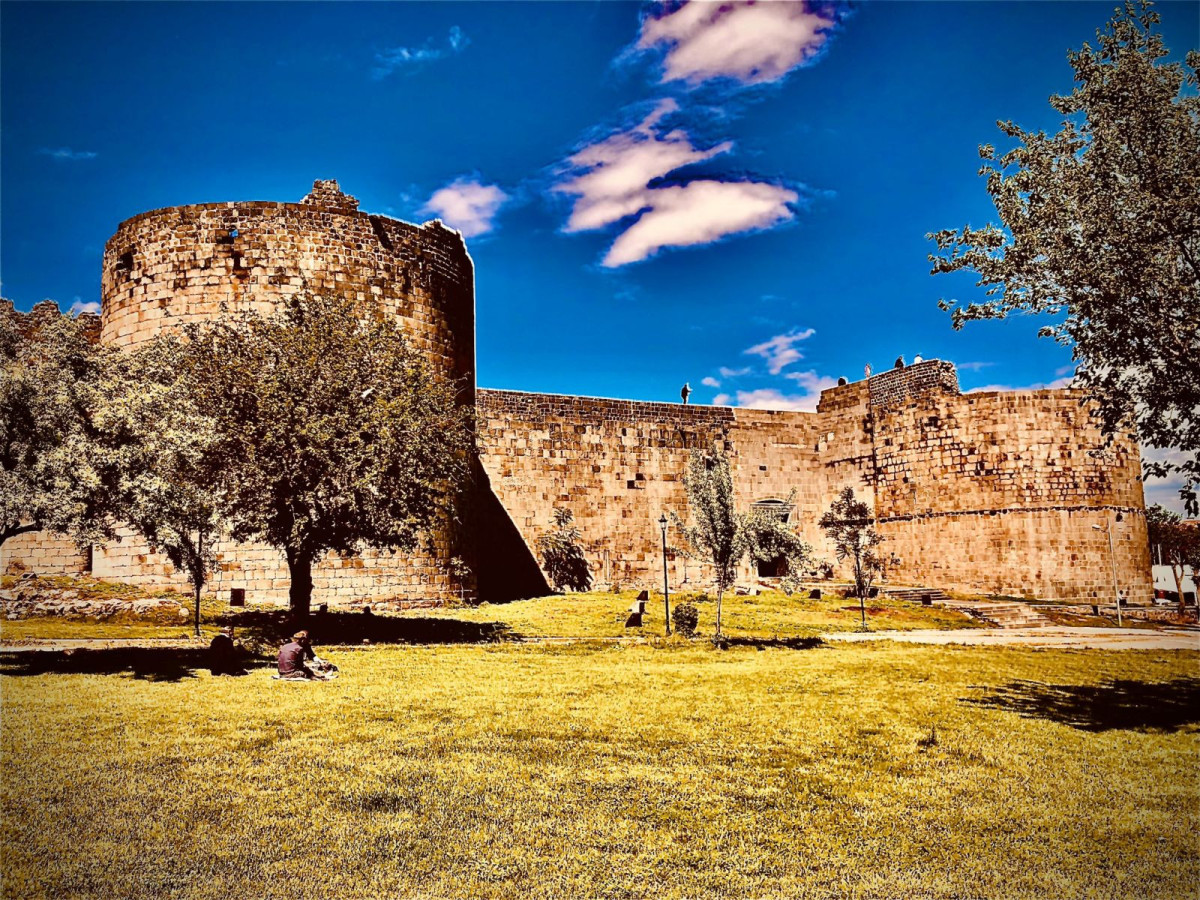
662, 523
1112, 561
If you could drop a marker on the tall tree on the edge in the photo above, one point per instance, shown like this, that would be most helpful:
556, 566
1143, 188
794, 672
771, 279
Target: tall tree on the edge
1100, 228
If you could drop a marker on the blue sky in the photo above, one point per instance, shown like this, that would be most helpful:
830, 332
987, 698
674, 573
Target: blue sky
651, 195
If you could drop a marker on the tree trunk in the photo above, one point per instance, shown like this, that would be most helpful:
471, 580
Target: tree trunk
720, 593
300, 590
197, 586
1177, 573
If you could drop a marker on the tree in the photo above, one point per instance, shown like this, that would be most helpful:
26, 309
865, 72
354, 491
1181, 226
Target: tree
848, 525
333, 431
1100, 228
562, 554
1174, 543
167, 461
50, 372
770, 538
720, 535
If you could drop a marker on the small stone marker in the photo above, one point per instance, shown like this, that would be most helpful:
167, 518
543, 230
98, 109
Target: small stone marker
640, 604
814, 594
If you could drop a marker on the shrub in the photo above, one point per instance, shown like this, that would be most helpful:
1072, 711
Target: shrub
685, 617
562, 555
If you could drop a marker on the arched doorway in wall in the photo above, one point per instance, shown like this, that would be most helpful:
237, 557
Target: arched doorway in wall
777, 566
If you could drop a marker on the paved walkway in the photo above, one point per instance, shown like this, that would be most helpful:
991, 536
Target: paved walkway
1098, 638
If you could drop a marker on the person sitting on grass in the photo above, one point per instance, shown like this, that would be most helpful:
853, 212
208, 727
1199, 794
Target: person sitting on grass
224, 655
292, 657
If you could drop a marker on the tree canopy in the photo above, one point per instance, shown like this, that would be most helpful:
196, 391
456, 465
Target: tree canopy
848, 524
1100, 229
332, 431
52, 474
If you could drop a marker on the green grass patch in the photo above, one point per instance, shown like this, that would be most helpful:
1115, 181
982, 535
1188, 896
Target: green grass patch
672, 770
603, 614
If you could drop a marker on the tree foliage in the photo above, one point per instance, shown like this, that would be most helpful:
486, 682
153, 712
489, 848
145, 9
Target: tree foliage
848, 525
562, 554
166, 460
1100, 228
720, 535
1174, 543
52, 474
332, 432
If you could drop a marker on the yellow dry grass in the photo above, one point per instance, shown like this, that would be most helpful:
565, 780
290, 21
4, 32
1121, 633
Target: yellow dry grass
668, 770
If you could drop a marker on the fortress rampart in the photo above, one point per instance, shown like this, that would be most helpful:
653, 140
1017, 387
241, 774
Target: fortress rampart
991, 492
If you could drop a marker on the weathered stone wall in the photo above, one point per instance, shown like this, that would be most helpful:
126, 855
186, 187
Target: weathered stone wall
184, 264
978, 492
42, 552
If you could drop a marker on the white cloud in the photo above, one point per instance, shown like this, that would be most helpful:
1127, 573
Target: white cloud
726, 372
721, 400
611, 181
1165, 491
388, 61
1037, 386
974, 366
770, 398
747, 41
466, 204
66, 154
79, 306
780, 350
710, 382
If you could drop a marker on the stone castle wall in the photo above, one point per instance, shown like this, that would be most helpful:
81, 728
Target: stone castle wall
169, 267
980, 492
994, 492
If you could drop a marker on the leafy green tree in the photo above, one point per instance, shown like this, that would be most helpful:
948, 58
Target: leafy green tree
770, 537
1100, 228
51, 477
333, 433
848, 525
717, 534
1174, 543
166, 458
720, 535
562, 554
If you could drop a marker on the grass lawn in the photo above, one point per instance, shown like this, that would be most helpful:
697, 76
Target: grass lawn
592, 614
666, 770
603, 614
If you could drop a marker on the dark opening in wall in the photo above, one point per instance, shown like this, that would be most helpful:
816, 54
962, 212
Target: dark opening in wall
87, 561
125, 262
381, 232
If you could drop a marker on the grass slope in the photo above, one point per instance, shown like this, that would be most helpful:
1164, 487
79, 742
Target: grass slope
612, 771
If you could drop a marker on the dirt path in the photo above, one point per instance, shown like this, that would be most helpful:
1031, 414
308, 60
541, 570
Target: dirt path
1096, 638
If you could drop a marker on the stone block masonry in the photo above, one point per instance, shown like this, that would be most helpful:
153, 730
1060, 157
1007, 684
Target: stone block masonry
991, 492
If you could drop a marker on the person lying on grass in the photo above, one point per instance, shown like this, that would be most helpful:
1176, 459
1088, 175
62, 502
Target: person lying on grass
292, 658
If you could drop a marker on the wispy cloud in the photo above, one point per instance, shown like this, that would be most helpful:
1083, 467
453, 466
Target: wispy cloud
726, 372
66, 154
467, 204
781, 350
79, 306
390, 60
746, 41
770, 398
973, 366
611, 181
710, 382
1036, 386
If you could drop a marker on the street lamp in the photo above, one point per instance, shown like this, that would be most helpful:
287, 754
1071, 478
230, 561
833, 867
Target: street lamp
1112, 560
662, 523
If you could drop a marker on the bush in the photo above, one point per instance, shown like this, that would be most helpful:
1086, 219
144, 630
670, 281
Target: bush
562, 555
686, 617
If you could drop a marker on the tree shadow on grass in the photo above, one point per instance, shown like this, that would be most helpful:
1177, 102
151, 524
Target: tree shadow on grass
270, 628
147, 663
762, 643
1130, 705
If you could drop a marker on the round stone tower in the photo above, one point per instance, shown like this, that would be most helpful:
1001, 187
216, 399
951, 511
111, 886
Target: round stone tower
186, 264
183, 264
